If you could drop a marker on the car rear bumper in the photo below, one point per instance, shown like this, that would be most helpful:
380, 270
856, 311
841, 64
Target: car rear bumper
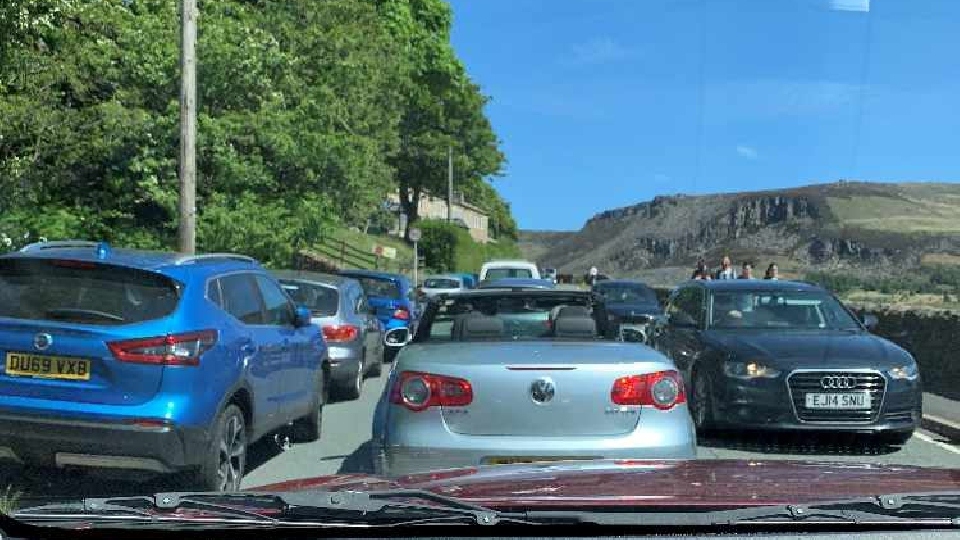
660, 435
61, 442
344, 363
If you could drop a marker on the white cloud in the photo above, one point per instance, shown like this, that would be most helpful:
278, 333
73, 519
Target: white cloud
597, 51
747, 152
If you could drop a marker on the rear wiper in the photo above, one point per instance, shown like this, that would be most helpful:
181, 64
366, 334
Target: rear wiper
81, 314
316, 508
927, 509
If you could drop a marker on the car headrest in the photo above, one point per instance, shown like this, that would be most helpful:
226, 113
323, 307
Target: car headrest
573, 311
481, 327
575, 327
458, 323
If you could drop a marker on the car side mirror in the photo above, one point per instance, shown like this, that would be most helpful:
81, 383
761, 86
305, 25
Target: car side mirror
302, 317
398, 337
870, 321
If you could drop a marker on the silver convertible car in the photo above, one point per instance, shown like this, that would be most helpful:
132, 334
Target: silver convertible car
508, 376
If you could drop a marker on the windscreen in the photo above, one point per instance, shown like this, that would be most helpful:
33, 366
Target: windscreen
779, 309
507, 317
83, 292
501, 273
320, 300
382, 287
441, 283
627, 293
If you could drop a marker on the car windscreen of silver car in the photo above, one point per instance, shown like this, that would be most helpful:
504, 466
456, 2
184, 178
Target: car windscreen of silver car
83, 292
319, 300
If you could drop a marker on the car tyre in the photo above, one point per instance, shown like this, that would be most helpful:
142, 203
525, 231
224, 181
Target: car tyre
390, 354
702, 402
377, 368
356, 385
309, 428
226, 460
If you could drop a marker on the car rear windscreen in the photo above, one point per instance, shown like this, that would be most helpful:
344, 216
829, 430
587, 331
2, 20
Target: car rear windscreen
386, 288
500, 273
83, 292
441, 283
320, 300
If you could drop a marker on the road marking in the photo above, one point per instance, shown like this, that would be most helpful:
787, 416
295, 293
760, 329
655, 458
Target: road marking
941, 444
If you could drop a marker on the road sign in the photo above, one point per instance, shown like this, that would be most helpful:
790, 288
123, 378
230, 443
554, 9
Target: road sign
385, 251
415, 235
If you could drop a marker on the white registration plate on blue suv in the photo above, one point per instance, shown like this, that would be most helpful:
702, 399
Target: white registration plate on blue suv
847, 401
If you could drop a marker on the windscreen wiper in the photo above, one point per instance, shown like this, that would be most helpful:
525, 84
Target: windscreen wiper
308, 508
926, 509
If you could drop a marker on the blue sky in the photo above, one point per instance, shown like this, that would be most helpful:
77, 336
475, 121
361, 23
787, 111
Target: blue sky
604, 103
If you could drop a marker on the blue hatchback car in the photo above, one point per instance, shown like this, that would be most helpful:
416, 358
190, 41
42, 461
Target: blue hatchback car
395, 300
149, 361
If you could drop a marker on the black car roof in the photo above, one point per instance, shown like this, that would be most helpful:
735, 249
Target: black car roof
752, 284
622, 281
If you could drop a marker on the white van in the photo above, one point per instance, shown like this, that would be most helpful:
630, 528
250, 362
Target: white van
509, 269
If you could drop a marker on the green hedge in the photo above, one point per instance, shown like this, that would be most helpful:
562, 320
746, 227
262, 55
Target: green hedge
448, 248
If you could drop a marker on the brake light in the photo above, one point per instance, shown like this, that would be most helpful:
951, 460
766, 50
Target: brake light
170, 350
663, 390
340, 333
419, 391
401, 313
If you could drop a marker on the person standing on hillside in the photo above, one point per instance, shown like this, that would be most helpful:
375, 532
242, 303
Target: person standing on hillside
746, 271
773, 272
700, 272
726, 270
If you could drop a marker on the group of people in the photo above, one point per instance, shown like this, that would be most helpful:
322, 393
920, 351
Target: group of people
726, 271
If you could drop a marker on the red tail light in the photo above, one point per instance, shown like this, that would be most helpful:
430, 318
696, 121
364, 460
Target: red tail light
401, 313
419, 391
170, 350
663, 390
340, 333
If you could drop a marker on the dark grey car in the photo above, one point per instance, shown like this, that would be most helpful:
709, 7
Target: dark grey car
788, 356
353, 334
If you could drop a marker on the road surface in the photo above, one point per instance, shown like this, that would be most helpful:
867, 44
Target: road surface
343, 448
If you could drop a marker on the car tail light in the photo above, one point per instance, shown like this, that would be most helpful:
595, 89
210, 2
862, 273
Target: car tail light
401, 313
170, 350
340, 333
663, 390
419, 391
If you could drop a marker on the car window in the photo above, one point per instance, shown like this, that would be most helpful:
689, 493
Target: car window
627, 293
83, 292
441, 283
386, 288
320, 300
500, 273
213, 292
241, 298
361, 302
686, 306
279, 309
779, 309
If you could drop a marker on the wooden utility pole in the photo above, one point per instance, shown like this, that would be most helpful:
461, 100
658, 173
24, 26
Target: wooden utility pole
188, 126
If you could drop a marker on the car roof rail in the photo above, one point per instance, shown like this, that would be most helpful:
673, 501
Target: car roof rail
59, 244
190, 259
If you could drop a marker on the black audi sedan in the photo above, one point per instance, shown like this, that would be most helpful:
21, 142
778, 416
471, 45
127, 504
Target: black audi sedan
632, 307
765, 354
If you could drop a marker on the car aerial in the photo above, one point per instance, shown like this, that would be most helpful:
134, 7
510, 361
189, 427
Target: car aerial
632, 305
349, 323
785, 355
518, 283
152, 362
393, 297
504, 376
508, 269
443, 283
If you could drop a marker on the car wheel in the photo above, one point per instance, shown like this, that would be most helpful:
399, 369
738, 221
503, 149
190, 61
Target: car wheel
308, 428
702, 403
390, 354
376, 368
356, 385
226, 459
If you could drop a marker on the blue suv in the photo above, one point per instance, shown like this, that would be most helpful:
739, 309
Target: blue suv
394, 298
149, 361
